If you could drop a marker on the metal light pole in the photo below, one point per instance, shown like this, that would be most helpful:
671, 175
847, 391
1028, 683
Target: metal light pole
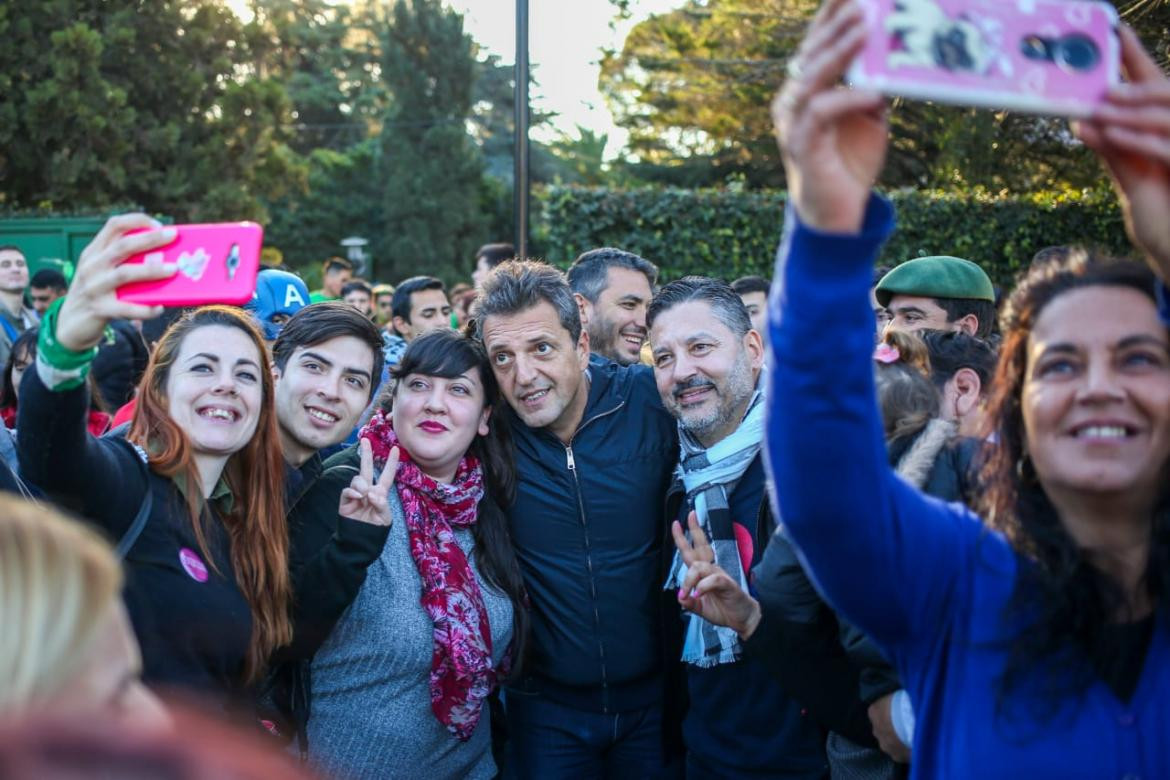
520, 178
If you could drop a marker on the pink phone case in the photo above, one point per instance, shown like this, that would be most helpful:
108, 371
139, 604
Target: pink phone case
217, 263
1038, 56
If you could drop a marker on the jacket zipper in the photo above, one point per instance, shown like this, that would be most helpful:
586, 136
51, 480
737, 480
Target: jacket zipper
571, 462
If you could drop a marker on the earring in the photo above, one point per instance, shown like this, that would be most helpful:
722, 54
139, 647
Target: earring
1025, 470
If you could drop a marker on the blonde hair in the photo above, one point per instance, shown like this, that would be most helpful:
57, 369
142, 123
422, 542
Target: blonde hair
58, 582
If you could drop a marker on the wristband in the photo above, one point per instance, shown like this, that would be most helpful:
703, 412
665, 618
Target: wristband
59, 367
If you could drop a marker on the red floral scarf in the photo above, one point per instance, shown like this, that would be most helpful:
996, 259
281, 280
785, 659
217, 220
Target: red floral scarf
461, 664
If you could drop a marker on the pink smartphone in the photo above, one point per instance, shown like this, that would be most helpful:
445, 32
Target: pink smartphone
217, 262
1055, 57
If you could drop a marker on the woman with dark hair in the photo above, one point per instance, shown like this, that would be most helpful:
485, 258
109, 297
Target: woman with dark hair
23, 355
411, 604
923, 448
194, 492
1040, 646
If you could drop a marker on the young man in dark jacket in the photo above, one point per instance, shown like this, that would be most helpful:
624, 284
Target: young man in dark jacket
707, 362
594, 455
328, 362
328, 359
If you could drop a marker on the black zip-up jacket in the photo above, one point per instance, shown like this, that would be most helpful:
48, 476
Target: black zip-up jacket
588, 526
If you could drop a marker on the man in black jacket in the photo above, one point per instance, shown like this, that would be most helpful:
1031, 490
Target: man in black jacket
594, 455
328, 362
707, 362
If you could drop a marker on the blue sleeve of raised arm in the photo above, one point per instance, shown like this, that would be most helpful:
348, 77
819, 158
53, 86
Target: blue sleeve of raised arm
880, 552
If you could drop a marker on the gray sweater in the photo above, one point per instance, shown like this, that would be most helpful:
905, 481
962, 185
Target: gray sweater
371, 713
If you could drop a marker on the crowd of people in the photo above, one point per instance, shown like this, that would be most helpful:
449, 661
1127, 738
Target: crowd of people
848, 522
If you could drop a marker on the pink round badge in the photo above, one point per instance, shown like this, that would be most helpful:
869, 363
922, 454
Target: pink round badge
193, 565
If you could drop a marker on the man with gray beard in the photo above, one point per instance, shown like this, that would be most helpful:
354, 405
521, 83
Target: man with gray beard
708, 363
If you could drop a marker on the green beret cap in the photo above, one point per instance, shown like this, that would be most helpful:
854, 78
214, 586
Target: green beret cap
935, 277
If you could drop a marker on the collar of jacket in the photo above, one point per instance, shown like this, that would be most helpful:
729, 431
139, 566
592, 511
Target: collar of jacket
298, 480
602, 399
221, 496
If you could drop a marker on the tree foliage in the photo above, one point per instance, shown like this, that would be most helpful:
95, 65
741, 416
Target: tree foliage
327, 56
693, 86
120, 101
729, 233
430, 167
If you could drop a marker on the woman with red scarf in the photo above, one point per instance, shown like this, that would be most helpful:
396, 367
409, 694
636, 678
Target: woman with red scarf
409, 602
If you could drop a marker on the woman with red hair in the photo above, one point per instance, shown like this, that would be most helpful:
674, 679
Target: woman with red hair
207, 584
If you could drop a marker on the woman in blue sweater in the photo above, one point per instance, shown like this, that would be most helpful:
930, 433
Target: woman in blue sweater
1038, 647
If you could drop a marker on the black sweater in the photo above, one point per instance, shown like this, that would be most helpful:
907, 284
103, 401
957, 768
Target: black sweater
192, 621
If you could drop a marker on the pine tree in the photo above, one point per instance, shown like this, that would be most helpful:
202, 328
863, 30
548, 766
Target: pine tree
432, 169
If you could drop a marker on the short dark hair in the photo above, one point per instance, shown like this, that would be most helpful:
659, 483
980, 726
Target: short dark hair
724, 301
400, 307
356, 285
11, 248
25, 344
494, 254
49, 278
589, 273
751, 284
1051, 255
321, 322
335, 264
952, 350
518, 285
957, 308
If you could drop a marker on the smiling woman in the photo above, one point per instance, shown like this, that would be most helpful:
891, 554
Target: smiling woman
207, 586
1038, 646
410, 603
1078, 479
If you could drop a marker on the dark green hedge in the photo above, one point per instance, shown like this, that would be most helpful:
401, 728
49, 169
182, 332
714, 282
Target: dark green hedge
733, 233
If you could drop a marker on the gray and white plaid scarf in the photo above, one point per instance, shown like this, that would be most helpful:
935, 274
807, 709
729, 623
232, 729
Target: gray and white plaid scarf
709, 476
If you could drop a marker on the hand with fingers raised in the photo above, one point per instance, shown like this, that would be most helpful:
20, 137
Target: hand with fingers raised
709, 591
92, 301
832, 139
366, 500
1130, 132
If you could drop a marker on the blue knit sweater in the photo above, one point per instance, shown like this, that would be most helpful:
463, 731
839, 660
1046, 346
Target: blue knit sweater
925, 579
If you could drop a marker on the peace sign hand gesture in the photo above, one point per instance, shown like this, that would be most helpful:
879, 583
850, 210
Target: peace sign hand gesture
707, 590
365, 500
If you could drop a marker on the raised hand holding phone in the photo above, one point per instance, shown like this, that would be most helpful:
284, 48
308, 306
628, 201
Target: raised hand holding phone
92, 301
217, 263
1130, 132
833, 140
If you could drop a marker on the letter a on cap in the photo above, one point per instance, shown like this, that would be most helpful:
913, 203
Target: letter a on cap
292, 295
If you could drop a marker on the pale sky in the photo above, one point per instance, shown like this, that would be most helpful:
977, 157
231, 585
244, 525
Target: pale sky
565, 42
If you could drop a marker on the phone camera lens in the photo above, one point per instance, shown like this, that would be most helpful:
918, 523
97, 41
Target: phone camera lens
1076, 52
